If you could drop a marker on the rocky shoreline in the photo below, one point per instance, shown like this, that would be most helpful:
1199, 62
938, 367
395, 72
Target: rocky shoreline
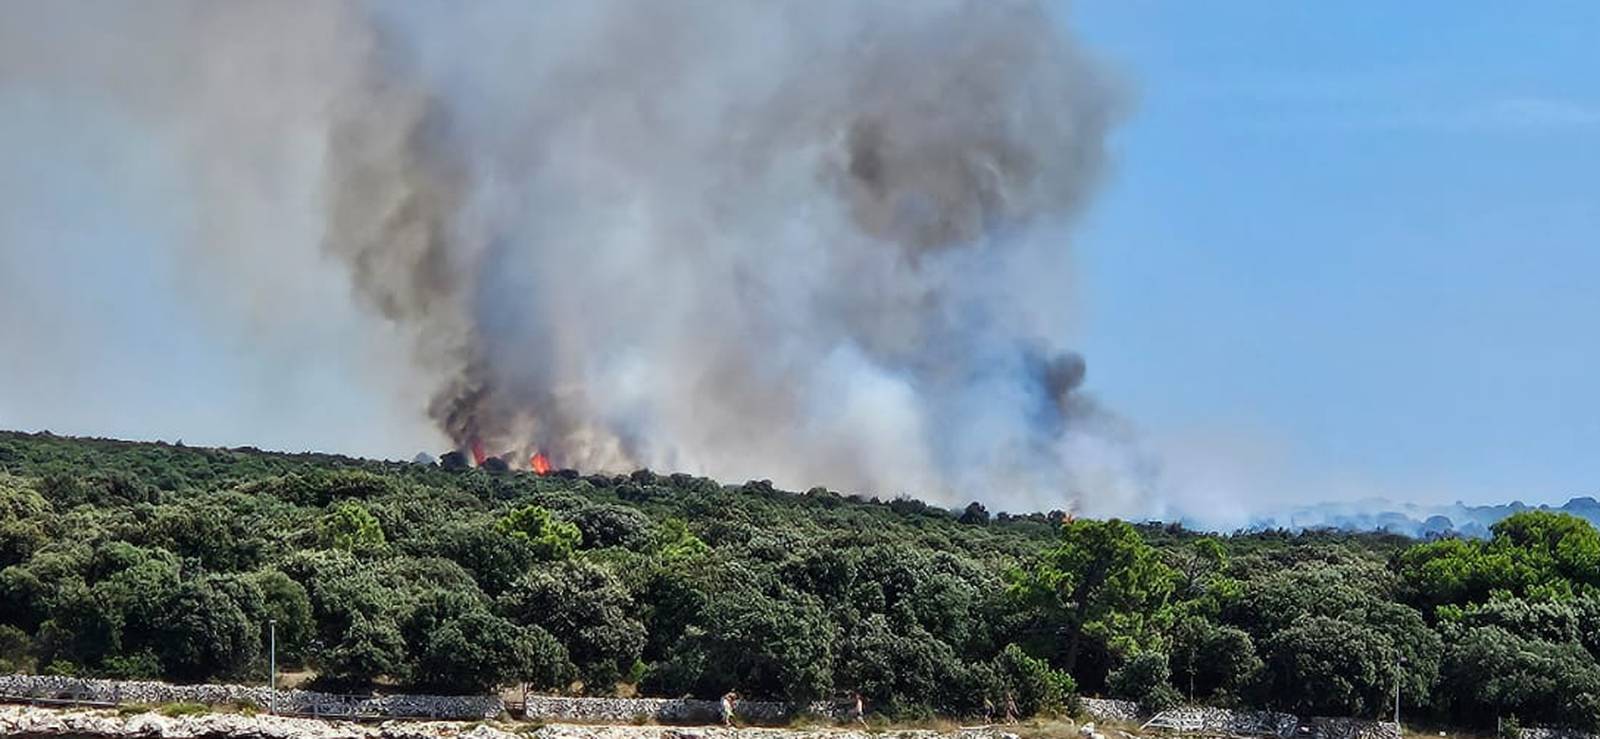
27, 722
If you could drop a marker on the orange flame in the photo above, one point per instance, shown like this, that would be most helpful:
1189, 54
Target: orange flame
539, 463
477, 453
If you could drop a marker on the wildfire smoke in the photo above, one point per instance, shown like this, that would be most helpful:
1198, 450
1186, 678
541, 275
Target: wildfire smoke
820, 242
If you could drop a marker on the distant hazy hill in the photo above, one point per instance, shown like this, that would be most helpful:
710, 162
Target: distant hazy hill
1421, 521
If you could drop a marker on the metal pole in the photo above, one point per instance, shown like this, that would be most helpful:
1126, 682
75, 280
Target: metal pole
1398, 661
272, 665
1397, 695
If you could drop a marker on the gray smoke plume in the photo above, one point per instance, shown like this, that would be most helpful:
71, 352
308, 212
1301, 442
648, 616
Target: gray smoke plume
817, 242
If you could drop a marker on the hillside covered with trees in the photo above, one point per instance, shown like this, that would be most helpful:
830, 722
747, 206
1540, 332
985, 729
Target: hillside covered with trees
145, 560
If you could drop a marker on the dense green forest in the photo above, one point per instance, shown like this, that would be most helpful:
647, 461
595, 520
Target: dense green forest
145, 560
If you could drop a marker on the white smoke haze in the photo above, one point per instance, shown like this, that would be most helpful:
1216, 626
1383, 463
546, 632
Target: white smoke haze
823, 243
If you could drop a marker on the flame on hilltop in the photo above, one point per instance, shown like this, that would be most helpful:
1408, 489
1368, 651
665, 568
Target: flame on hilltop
539, 464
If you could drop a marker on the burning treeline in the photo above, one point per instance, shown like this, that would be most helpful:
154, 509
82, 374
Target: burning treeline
538, 463
823, 243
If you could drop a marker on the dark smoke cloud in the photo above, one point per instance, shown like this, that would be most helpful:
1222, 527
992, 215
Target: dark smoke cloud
821, 242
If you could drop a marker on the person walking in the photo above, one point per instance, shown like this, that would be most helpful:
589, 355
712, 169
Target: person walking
1011, 709
858, 708
729, 700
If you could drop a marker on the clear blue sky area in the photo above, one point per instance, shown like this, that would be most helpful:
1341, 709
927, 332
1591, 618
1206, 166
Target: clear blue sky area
1364, 237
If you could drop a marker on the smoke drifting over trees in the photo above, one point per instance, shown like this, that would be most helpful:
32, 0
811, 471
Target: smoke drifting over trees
825, 243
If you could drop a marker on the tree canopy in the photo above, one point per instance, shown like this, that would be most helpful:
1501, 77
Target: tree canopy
162, 561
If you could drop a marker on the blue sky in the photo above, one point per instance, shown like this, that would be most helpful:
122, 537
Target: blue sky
1357, 242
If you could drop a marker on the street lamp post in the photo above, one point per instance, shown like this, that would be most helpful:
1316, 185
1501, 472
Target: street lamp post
272, 665
1398, 661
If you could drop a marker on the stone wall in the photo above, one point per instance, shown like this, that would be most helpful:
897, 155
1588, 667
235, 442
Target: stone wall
309, 703
39, 723
1224, 721
1351, 728
1548, 733
297, 702
1248, 723
1106, 709
668, 710
635, 710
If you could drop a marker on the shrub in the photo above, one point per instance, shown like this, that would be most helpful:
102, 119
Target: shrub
550, 538
350, 526
612, 526
140, 665
1510, 728
975, 515
14, 648
1036, 687
1145, 679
